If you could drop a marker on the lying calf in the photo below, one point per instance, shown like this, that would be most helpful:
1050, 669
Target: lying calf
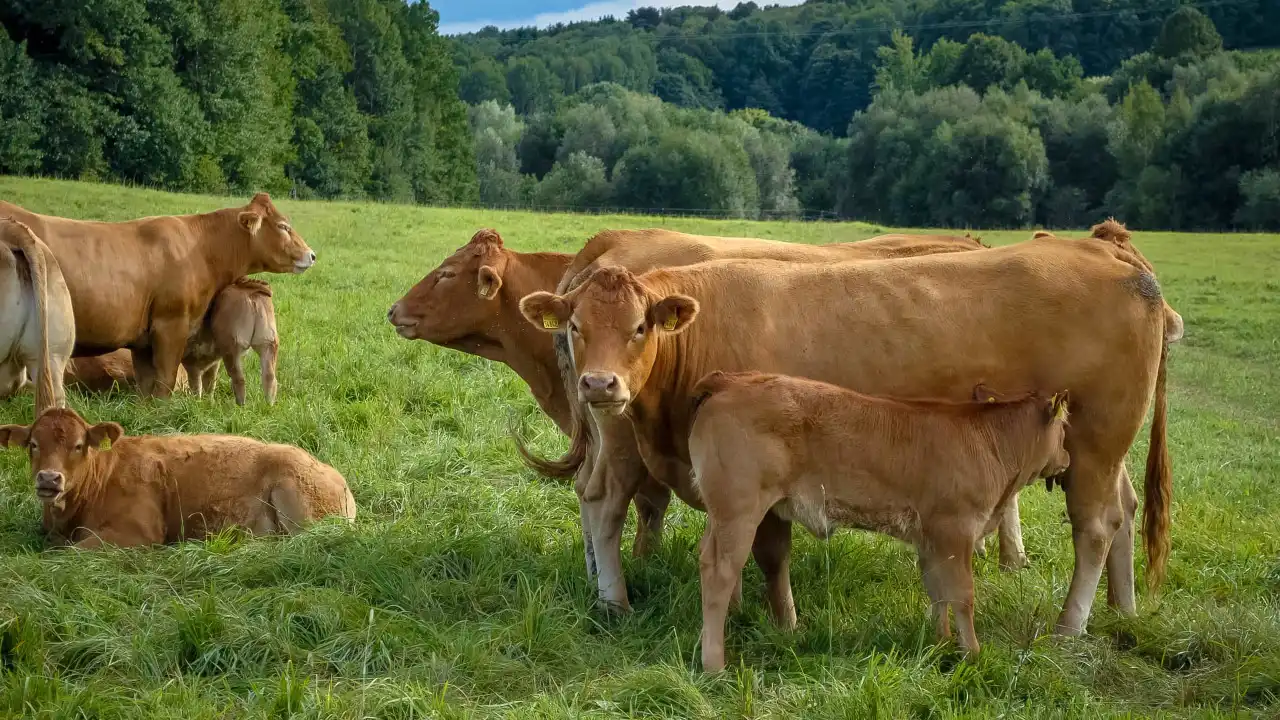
102, 373
147, 490
242, 316
932, 474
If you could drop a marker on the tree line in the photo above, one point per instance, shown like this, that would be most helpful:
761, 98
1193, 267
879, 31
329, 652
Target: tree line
327, 98
980, 133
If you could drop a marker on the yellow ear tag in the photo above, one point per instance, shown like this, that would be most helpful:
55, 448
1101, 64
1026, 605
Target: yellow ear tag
549, 321
1059, 407
484, 292
991, 399
670, 322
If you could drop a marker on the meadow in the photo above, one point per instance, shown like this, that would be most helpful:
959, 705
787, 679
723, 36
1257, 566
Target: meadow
460, 590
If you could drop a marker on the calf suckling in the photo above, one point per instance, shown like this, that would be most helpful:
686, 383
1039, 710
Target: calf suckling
242, 316
934, 474
148, 490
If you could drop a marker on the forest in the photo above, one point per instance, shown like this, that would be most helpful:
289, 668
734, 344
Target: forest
955, 113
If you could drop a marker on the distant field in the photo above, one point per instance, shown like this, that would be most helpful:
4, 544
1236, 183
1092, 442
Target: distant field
461, 593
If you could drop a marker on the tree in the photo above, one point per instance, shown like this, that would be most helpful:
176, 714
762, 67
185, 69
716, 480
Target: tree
987, 61
576, 182
497, 131
484, 80
900, 68
1187, 33
1260, 200
687, 170
20, 110
531, 84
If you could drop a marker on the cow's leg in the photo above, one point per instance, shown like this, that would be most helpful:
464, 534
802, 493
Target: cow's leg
1096, 511
724, 548
267, 359
236, 371
651, 502
581, 480
143, 370
210, 378
168, 344
1012, 555
772, 551
606, 516
946, 564
195, 378
1120, 583
11, 378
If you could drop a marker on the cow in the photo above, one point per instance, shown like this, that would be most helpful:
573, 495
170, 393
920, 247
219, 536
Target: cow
932, 326
470, 303
37, 327
146, 284
151, 490
242, 317
103, 373
770, 450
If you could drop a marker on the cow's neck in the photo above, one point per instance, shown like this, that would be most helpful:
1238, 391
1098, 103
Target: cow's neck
225, 246
525, 349
1015, 432
72, 508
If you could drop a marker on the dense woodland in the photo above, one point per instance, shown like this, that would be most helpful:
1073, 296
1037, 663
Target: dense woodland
915, 112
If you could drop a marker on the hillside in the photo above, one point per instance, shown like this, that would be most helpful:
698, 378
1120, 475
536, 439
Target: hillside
461, 592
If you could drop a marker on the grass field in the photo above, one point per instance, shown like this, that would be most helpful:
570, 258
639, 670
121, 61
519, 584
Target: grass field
460, 591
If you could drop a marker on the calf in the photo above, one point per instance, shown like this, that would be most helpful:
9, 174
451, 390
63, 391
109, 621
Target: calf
37, 327
102, 373
147, 490
933, 474
242, 317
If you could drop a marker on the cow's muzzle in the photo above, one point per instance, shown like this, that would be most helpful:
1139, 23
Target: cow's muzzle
49, 484
603, 391
306, 261
405, 327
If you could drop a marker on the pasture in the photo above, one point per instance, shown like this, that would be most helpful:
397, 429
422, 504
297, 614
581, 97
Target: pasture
460, 592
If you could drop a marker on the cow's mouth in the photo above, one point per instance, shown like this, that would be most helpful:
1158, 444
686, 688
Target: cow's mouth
47, 492
609, 407
301, 266
408, 331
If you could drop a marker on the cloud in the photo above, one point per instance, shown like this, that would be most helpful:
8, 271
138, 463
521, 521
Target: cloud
591, 11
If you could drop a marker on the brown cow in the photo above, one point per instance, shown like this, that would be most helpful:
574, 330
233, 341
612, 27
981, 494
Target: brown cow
242, 317
37, 328
769, 450
471, 303
146, 284
933, 326
147, 490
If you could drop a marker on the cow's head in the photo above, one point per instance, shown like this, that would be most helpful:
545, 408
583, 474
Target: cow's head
614, 323
459, 298
1050, 457
274, 244
58, 444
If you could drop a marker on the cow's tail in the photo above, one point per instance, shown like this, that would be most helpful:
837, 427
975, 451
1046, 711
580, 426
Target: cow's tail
1158, 487
569, 463
34, 251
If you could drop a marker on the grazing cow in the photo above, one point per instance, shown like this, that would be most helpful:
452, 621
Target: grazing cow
102, 373
148, 490
37, 328
471, 303
146, 284
932, 474
933, 326
242, 317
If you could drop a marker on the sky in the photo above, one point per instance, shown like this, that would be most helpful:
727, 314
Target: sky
463, 16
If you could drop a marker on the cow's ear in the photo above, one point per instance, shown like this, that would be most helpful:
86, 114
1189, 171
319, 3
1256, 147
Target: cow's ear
545, 310
488, 282
250, 221
673, 313
104, 431
14, 435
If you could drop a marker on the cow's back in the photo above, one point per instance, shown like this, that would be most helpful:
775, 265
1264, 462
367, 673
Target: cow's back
1019, 318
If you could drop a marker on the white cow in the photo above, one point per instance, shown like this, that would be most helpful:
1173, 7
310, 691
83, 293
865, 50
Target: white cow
37, 326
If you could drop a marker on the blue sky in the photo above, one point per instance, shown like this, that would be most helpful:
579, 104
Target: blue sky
460, 16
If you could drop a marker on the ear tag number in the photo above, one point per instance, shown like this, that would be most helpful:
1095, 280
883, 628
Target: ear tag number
670, 322
550, 322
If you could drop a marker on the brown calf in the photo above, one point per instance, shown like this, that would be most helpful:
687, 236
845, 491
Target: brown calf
149, 490
242, 317
769, 450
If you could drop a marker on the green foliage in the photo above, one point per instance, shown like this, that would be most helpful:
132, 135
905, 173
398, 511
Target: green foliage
333, 99
688, 170
576, 182
1260, 193
1187, 33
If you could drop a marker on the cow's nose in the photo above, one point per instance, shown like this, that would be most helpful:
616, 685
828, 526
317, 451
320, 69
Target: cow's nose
599, 382
313, 255
48, 477
391, 313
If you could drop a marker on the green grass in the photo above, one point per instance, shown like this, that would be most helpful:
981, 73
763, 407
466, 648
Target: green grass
460, 592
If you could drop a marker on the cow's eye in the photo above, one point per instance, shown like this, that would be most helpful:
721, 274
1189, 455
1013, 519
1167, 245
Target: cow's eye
283, 226
79, 447
32, 446
640, 330
446, 274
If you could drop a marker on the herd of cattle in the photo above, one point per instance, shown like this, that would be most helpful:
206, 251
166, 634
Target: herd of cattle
911, 385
